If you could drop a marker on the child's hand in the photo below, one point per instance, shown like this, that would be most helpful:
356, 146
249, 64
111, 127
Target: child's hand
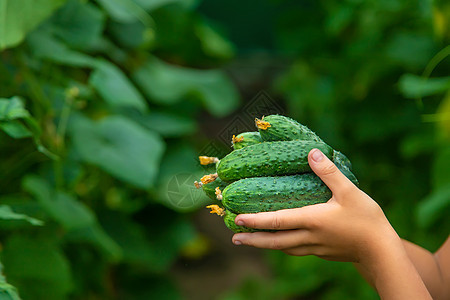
349, 227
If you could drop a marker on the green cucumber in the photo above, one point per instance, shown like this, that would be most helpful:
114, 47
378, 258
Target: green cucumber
339, 157
261, 194
343, 167
281, 128
269, 159
210, 188
246, 139
229, 222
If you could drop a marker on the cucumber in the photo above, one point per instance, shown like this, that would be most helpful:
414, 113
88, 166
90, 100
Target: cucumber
246, 139
229, 222
339, 157
261, 194
269, 159
343, 167
210, 188
281, 128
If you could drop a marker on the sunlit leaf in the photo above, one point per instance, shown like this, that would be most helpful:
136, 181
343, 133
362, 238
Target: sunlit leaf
12, 108
6, 213
413, 86
18, 17
15, 129
14, 117
168, 84
120, 147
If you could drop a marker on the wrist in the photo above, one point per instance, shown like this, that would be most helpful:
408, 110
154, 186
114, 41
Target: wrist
381, 244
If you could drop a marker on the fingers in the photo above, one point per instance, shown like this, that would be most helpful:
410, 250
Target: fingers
328, 172
295, 218
279, 240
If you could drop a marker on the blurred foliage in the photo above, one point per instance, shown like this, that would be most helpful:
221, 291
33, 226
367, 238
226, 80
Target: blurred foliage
102, 114
88, 112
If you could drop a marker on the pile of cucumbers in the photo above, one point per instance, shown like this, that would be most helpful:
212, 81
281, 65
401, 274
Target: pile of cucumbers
268, 170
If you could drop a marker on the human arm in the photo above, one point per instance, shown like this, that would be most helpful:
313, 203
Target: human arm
433, 268
349, 227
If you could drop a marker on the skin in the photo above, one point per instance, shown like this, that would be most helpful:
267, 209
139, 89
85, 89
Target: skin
352, 227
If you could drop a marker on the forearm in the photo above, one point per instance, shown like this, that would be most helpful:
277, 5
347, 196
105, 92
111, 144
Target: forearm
426, 265
392, 273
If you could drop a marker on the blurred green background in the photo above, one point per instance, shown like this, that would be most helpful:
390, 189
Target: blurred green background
105, 106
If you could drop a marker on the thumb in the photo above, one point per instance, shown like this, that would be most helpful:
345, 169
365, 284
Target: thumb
328, 172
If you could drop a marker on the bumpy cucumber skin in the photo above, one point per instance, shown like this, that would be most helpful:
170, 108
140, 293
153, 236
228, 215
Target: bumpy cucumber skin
250, 138
210, 188
343, 167
260, 194
286, 129
341, 158
228, 219
269, 159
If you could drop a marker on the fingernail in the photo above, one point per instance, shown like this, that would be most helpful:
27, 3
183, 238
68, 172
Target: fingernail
239, 222
317, 155
237, 243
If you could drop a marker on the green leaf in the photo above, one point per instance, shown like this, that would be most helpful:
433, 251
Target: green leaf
131, 35
14, 116
73, 215
155, 4
62, 207
45, 46
7, 291
6, 213
434, 206
410, 49
168, 84
213, 43
165, 123
13, 108
120, 147
413, 86
131, 236
18, 17
37, 267
441, 167
80, 24
115, 87
126, 11
15, 129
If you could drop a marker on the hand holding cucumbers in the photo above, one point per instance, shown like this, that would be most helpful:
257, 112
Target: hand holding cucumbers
269, 171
